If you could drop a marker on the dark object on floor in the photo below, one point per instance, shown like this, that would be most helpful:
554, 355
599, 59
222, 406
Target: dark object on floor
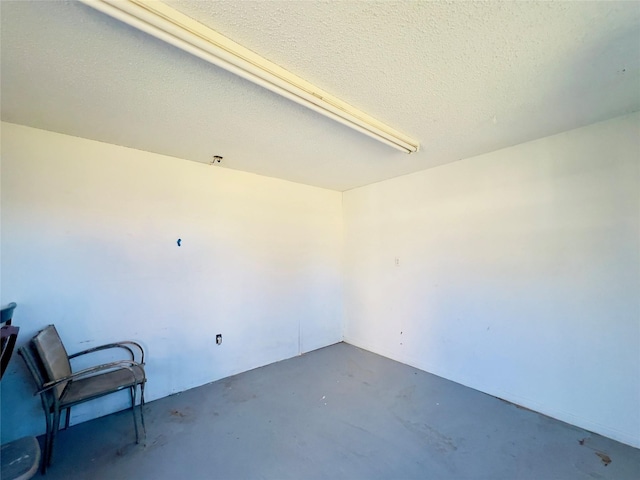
606, 459
60, 389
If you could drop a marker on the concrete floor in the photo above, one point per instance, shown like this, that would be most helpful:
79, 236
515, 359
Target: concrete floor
337, 413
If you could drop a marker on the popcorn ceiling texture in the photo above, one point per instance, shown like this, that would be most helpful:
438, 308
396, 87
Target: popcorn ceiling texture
462, 78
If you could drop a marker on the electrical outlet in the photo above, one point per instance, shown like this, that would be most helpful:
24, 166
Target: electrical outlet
219, 339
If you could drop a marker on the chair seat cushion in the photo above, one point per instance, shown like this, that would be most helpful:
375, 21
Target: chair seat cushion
91, 387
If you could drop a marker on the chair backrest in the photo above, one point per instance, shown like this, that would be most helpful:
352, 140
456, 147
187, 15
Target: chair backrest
53, 356
31, 358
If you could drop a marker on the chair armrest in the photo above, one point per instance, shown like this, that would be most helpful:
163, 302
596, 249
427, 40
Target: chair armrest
124, 344
126, 364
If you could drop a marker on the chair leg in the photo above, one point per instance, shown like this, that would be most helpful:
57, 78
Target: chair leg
133, 411
144, 428
54, 433
47, 445
67, 417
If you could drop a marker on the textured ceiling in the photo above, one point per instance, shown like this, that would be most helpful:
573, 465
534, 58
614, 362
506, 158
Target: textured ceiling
462, 78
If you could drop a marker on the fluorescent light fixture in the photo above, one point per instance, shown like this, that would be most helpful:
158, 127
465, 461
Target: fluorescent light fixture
179, 30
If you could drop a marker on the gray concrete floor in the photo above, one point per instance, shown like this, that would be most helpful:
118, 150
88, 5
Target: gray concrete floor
337, 413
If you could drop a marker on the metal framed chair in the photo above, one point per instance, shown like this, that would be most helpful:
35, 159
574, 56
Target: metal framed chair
60, 388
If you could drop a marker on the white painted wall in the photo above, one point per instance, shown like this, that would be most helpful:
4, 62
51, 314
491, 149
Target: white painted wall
89, 235
518, 275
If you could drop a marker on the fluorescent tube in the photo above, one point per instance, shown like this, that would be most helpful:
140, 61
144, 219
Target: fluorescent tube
179, 30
